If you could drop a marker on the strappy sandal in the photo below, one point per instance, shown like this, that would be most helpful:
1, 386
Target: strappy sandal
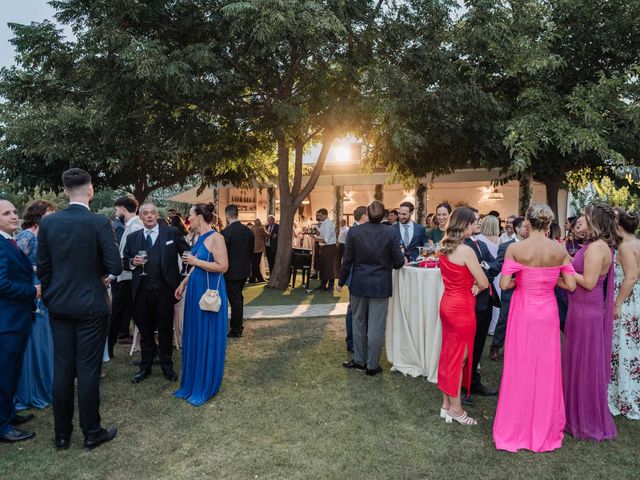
463, 419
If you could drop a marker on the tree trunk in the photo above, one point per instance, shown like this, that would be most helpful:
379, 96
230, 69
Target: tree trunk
379, 193
421, 198
553, 188
271, 201
291, 197
524, 180
216, 201
338, 206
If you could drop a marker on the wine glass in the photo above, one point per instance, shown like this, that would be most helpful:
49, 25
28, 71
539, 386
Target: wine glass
143, 255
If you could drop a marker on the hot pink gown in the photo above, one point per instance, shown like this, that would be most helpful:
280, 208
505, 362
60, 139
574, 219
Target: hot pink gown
531, 411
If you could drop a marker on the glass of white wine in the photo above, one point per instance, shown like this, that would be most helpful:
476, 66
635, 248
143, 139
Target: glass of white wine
143, 255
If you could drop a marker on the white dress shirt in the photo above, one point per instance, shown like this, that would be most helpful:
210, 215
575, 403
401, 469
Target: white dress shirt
408, 227
327, 232
133, 225
342, 237
153, 232
5, 235
80, 203
505, 237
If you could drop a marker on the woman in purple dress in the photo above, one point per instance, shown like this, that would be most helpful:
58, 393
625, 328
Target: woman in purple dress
589, 329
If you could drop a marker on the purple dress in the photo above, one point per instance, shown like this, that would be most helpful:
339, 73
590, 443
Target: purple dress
587, 357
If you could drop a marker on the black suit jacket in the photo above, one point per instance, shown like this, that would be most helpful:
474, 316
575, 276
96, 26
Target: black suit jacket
240, 242
484, 298
171, 243
273, 241
372, 251
505, 294
76, 251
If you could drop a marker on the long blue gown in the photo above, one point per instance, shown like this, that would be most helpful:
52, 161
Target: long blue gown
204, 334
36, 378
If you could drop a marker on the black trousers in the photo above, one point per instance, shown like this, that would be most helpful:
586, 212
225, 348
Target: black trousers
500, 332
341, 248
122, 311
236, 301
271, 258
483, 321
78, 346
256, 275
12, 347
154, 309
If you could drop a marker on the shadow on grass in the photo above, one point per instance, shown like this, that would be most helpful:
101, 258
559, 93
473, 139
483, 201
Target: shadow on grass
261, 295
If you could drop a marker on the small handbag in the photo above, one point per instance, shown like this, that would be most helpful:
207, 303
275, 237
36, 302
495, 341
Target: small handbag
210, 300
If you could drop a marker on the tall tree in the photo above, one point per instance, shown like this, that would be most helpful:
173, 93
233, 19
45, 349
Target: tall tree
122, 100
299, 66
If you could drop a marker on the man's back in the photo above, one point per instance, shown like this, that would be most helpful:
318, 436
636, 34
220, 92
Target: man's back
239, 240
76, 250
372, 252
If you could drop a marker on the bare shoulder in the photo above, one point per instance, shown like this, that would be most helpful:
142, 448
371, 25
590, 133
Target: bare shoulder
216, 241
466, 251
599, 247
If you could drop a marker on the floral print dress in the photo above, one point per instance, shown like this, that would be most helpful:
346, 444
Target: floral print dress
624, 389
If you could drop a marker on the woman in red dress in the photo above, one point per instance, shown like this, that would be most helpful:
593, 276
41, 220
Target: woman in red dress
463, 278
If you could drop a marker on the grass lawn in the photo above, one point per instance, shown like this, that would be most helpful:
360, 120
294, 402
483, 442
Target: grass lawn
288, 410
261, 296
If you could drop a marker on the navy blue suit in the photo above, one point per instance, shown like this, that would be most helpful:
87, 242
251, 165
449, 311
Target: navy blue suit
17, 295
505, 301
484, 308
419, 239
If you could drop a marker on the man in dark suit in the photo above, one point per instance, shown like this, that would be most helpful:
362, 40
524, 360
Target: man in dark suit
271, 243
505, 298
371, 253
153, 284
76, 252
240, 242
485, 301
17, 294
412, 234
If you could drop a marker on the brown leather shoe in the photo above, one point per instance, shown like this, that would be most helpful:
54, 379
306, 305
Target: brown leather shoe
494, 355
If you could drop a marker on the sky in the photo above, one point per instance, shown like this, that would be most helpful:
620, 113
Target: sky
19, 11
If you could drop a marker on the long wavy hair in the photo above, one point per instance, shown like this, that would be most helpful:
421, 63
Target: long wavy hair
601, 221
457, 225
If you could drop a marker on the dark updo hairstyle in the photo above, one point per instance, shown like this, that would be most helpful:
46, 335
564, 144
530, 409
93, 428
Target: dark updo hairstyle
34, 213
540, 216
601, 221
554, 231
628, 220
176, 221
206, 210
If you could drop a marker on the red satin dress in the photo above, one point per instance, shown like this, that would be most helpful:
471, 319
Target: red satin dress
458, 317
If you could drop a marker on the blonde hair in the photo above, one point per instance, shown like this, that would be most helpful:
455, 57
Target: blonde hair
457, 225
490, 226
540, 216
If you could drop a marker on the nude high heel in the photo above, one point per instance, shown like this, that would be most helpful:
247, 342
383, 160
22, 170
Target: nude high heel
463, 419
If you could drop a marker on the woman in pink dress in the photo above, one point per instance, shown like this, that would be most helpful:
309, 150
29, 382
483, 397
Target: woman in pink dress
530, 411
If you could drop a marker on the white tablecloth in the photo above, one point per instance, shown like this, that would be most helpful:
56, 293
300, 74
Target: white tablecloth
414, 331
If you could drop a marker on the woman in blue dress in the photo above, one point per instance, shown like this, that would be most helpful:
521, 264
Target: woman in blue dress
204, 334
36, 377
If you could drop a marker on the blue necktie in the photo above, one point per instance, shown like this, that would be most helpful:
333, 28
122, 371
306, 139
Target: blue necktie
149, 240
